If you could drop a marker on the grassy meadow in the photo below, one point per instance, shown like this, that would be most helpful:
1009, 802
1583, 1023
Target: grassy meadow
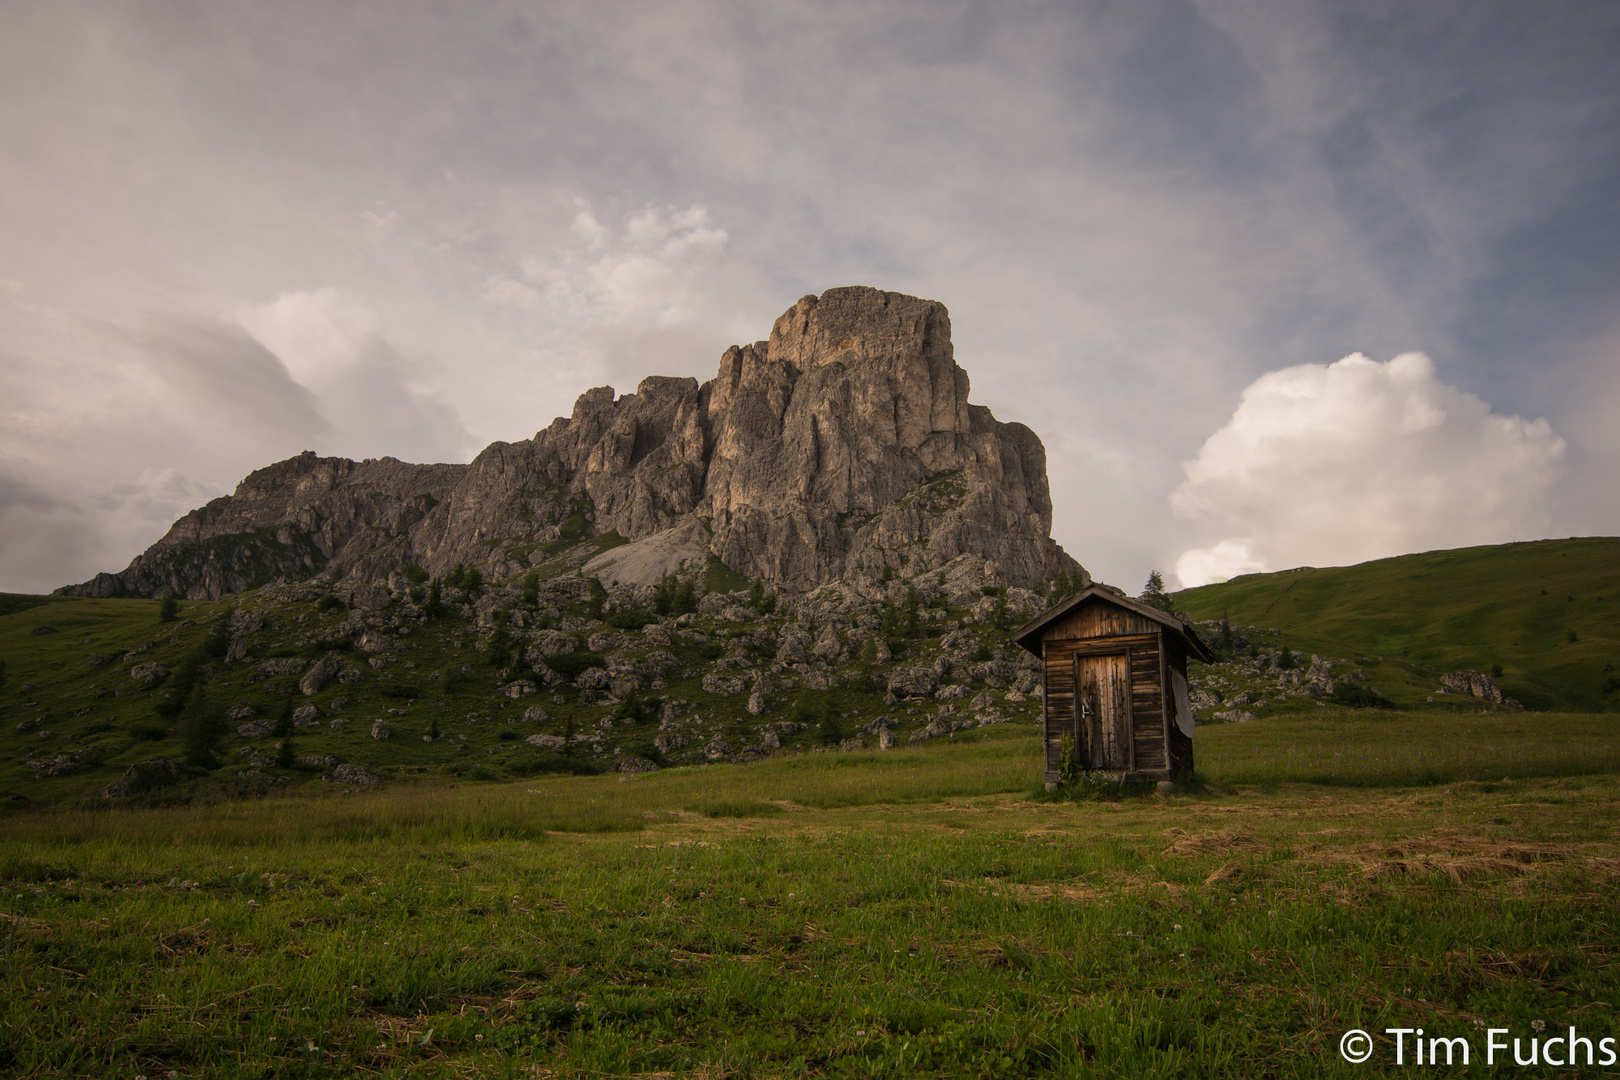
920, 912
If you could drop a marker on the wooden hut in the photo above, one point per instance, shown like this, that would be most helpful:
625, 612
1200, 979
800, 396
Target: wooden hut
1116, 684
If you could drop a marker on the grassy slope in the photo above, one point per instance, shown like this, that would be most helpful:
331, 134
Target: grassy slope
1514, 605
831, 915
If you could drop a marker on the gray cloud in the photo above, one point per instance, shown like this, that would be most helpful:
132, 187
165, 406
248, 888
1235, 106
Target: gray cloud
1133, 211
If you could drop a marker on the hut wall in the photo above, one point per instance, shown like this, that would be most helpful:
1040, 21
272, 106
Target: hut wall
1118, 630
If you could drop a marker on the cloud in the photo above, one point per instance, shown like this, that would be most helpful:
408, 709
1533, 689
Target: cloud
1340, 463
336, 347
655, 269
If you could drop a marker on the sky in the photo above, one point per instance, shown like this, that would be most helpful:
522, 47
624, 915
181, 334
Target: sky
1278, 284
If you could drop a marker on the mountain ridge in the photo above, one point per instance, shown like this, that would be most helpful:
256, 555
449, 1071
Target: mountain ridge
841, 449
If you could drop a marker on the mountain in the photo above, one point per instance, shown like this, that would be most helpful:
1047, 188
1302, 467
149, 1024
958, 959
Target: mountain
842, 449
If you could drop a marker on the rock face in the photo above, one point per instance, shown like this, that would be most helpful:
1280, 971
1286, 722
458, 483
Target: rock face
844, 448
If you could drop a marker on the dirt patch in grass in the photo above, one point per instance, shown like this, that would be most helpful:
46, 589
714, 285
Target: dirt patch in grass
1463, 858
1213, 843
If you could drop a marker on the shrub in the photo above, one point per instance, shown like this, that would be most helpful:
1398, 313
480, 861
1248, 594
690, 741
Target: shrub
630, 620
570, 664
415, 574
529, 595
169, 610
399, 690
598, 597
1355, 696
452, 680
328, 603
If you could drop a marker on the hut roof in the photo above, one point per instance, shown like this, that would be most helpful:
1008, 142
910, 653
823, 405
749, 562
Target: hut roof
1029, 635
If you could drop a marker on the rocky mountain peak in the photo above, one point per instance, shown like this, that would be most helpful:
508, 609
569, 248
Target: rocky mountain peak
842, 449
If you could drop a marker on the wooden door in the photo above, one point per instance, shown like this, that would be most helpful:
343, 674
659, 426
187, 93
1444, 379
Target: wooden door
1103, 710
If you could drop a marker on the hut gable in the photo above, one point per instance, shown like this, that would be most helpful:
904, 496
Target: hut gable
1111, 666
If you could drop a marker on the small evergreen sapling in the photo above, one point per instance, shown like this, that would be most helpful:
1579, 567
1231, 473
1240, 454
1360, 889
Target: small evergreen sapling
1154, 594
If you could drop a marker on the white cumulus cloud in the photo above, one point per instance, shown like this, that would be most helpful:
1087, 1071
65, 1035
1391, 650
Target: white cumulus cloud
1330, 464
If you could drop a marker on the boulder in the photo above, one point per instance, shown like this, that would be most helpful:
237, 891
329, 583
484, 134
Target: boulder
143, 776
547, 742
319, 674
354, 774
149, 674
913, 682
381, 729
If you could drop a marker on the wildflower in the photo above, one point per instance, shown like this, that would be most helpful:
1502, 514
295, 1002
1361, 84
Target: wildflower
1539, 1025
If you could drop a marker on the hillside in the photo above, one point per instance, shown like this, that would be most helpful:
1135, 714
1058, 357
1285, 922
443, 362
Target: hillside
1548, 612
491, 681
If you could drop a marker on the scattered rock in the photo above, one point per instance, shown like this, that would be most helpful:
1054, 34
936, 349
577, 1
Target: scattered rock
241, 712
519, 688
43, 629
60, 765
256, 729
534, 714
380, 729
1473, 683
547, 742
306, 716
715, 683
282, 665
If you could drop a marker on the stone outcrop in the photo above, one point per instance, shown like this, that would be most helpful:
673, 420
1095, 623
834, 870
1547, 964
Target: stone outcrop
843, 448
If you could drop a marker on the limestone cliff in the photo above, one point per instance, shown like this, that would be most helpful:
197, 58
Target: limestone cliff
844, 448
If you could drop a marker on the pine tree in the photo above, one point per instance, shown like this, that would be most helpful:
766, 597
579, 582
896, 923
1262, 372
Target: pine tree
1154, 594
201, 728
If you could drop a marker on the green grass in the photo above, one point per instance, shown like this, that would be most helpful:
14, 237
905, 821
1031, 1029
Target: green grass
1513, 605
900, 914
